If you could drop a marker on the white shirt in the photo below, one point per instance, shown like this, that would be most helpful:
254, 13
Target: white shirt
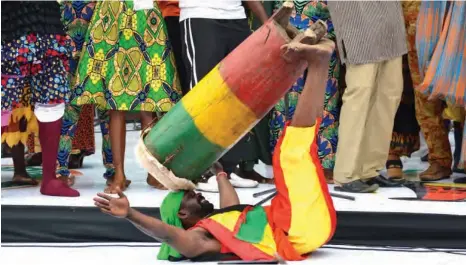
212, 9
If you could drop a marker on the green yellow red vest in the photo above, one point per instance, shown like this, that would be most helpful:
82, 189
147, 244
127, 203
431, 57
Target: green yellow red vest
248, 233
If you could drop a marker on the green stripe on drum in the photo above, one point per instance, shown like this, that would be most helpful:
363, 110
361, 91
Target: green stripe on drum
176, 142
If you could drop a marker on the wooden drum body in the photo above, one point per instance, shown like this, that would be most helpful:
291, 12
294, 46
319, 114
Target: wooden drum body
228, 102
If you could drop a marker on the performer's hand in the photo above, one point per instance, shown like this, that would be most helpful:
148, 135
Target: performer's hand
117, 207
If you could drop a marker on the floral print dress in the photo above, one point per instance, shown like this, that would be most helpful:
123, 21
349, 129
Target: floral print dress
305, 14
127, 63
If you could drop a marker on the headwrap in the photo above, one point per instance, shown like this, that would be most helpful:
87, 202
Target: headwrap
169, 215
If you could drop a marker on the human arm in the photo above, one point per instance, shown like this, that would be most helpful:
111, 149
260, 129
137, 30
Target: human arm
258, 9
191, 243
228, 195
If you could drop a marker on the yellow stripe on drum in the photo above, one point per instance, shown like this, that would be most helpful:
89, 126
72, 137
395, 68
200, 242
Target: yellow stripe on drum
217, 113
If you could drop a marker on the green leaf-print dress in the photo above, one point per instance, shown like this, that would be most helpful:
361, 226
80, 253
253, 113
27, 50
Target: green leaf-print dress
127, 62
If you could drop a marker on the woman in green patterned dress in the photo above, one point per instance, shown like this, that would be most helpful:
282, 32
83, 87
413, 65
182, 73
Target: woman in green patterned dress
127, 65
306, 13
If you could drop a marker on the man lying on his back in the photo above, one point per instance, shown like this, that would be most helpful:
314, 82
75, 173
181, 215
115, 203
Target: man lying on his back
300, 219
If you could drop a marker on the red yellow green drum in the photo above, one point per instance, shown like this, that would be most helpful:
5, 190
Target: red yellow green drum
224, 105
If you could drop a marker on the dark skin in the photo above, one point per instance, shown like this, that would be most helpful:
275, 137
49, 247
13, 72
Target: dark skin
20, 174
195, 242
118, 140
258, 9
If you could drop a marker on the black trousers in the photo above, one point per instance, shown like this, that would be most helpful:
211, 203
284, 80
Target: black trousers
174, 35
205, 43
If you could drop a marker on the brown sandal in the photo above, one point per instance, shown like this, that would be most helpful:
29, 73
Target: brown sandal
394, 170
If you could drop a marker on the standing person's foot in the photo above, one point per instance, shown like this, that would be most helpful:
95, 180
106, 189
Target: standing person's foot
328, 173
356, 186
238, 182
209, 183
252, 175
33, 160
435, 172
384, 182
56, 187
68, 180
425, 158
24, 178
456, 169
394, 169
76, 160
117, 182
110, 180
153, 182
460, 180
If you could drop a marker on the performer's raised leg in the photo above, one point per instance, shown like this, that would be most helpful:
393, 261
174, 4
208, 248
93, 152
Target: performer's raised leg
303, 196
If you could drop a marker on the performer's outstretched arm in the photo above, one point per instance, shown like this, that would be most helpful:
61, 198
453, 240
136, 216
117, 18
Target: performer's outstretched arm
191, 243
311, 102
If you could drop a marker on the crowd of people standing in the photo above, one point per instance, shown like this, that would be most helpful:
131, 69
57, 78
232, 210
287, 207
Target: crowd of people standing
64, 61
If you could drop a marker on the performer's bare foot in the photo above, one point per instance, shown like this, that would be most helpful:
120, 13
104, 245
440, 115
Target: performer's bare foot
24, 178
110, 181
117, 182
69, 181
153, 182
311, 53
253, 175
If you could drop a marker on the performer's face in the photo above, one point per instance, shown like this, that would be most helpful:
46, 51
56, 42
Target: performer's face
193, 208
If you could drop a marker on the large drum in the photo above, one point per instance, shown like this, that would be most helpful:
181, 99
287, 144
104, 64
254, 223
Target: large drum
221, 108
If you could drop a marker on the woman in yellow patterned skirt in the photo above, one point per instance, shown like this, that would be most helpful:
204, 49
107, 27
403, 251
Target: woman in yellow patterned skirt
127, 65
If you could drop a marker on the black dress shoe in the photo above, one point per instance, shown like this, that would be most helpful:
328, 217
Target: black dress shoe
425, 158
460, 180
384, 182
357, 186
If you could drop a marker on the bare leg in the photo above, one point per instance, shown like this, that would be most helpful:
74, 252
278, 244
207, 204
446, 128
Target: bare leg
118, 141
20, 175
146, 119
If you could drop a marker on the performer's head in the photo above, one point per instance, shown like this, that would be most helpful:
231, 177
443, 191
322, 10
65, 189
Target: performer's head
193, 208
185, 208
182, 209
